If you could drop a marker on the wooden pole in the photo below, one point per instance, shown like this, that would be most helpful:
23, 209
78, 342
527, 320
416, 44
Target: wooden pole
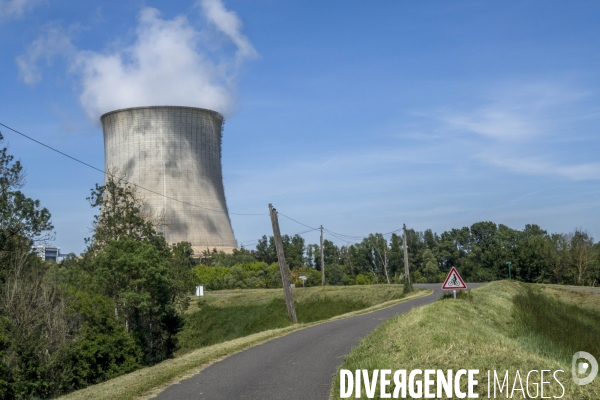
406, 269
285, 275
322, 260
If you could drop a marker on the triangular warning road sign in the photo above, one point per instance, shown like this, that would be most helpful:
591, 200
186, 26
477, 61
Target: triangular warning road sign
453, 281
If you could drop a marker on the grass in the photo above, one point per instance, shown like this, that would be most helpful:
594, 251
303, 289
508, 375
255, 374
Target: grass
500, 326
554, 327
227, 315
148, 382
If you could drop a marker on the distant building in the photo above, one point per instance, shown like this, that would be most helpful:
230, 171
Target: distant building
48, 253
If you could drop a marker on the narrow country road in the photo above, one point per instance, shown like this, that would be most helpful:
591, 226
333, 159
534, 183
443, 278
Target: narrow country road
299, 365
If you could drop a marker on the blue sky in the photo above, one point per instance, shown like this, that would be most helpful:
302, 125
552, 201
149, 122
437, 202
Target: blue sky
357, 115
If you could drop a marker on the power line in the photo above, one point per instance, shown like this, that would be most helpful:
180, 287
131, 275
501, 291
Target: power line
397, 230
341, 234
342, 239
298, 222
253, 241
124, 180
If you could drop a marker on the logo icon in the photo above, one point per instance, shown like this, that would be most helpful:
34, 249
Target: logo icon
581, 367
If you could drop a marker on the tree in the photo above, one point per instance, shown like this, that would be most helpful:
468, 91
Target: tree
129, 262
182, 276
135, 275
124, 213
23, 222
335, 274
431, 270
379, 253
581, 256
396, 256
331, 253
265, 250
293, 247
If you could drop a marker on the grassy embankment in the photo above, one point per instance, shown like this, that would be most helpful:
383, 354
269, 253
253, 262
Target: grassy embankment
501, 326
238, 319
227, 315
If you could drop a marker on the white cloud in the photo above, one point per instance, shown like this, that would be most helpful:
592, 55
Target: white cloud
228, 23
54, 42
495, 123
540, 166
515, 112
515, 128
16, 8
167, 64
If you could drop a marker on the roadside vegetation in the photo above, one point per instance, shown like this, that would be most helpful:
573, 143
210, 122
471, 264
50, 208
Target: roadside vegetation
147, 382
500, 326
124, 304
227, 315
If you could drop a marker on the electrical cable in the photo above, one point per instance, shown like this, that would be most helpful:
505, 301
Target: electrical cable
120, 179
298, 222
293, 234
342, 239
341, 234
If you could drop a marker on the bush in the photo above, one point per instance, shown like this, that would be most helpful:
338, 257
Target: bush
102, 350
252, 275
136, 277
363, 279
334, 274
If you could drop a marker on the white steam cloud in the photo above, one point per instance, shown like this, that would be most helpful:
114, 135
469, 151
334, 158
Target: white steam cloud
168, 64
16, 8
55, 42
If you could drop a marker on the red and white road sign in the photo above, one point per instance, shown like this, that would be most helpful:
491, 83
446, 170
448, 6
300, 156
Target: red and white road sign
454, 281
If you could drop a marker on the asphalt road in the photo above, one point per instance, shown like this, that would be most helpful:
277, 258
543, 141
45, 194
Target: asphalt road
299, 365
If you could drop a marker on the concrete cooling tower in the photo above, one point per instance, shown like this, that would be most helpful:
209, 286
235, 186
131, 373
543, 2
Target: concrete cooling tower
175, 152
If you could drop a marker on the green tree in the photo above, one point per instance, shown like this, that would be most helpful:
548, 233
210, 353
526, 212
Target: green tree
182, 276
265, 250
294, 251
102, 350
581, 257
431, 269
136, 276
396, 256
334, 274
23, 221
379, 254
124, 213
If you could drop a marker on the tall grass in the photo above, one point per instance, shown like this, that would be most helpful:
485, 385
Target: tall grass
211, 324
554, 328
235, 314
502, 326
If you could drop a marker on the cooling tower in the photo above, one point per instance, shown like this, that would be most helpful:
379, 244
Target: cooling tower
176, 153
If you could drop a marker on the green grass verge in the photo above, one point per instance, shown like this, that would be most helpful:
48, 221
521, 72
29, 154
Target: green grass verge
147, 382
227, 315
500, 326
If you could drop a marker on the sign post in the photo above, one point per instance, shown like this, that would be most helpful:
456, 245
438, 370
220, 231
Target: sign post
454, 281
303, 279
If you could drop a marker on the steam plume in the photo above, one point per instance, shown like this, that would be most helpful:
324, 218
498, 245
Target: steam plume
169, 63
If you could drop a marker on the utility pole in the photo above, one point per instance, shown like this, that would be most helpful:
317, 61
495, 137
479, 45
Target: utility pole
285, 276
385, 263
406, 269
322, 260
